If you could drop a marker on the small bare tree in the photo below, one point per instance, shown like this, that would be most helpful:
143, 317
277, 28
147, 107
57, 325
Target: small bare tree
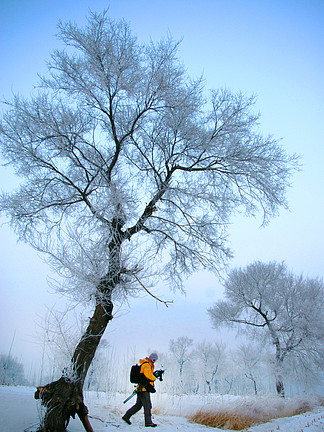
58, 335
179, 348
210, 358
248, 359
284, 309
129, 170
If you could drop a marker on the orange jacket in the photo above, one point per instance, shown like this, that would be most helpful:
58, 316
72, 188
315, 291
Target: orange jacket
147, 368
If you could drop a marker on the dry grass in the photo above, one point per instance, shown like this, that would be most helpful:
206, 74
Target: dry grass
247, 414
321, 400
156, 411
223, 420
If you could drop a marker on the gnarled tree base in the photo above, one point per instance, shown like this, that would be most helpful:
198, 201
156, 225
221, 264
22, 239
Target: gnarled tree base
63, 399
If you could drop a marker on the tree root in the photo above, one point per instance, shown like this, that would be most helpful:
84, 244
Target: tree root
63, 399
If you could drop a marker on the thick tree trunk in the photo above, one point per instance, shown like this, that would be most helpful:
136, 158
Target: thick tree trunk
86, 349
280, 387
279, 380
279, 359
64, 398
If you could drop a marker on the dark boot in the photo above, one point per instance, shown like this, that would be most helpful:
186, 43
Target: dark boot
126, 420
150, 425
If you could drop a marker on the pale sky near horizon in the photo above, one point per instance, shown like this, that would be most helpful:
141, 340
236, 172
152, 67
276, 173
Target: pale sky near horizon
273, 49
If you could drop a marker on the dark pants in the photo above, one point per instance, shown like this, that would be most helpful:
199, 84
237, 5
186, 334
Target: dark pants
143, 400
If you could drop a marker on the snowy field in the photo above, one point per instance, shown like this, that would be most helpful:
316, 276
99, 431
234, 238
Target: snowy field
20, 412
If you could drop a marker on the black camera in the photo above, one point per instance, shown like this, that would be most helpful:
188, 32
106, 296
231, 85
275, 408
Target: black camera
159, 374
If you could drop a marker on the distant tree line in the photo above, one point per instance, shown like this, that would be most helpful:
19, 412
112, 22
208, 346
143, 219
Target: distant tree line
11, 371
203, 367
210, 366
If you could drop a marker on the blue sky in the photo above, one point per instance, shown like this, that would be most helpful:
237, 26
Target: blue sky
273, 49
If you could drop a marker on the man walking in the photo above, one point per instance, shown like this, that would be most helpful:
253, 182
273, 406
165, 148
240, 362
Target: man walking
143, 393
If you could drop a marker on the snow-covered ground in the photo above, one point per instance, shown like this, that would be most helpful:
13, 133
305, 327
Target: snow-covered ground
19, 412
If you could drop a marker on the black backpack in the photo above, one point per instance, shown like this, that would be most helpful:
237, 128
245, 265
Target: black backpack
136, 376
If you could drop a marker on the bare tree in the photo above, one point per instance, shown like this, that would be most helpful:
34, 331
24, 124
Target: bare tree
248, 359
285, 309
210, 358
129, 170
179, 348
